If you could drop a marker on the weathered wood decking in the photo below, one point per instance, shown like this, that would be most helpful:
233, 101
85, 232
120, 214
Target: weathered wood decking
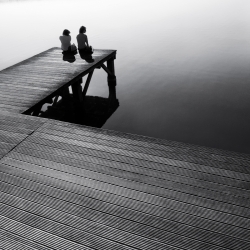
66, 186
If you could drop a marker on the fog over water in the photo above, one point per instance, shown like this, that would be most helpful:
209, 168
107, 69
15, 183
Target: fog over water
182, 67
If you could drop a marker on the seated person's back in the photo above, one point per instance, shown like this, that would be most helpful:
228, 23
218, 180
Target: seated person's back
82, 39
65, 40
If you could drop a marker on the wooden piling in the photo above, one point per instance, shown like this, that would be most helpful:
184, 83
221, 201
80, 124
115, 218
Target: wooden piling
111, 68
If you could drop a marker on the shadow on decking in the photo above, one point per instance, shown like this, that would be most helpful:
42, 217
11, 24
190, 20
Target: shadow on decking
94, 112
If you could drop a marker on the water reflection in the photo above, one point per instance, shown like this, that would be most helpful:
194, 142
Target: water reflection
94, 111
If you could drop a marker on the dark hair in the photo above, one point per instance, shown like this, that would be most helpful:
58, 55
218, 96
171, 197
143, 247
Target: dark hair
82, 29
66, 32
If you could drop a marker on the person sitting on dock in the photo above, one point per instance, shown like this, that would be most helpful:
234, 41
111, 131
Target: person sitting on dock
66, 41
82, 40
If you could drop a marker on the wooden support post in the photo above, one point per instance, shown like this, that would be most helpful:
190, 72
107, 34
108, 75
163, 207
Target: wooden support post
112, 92
84, 92
111, 69
77, 91
111, 78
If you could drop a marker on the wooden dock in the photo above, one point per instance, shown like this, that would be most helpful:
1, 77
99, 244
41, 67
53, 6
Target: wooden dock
70, 187
41, 79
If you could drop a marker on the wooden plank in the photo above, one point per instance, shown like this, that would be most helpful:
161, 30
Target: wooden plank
91, 240
26, 85
161, 179
46, 67
162, 143
41, 237
20, 242
178, 191
23, 87
90, 226
8, 243
10, 108
24, 93
68, 232
28, 95
24, 100
82, 182
34, 68
16, 129
11, 137
13, 130
92, 206
139, 141
88, 214
25, 79
127, 191
168, 166
7, 145
18, 124
93, 137
3, 152
26, 121
13, 101
116, 211
37, 73
177, 230
116, 151
34, 77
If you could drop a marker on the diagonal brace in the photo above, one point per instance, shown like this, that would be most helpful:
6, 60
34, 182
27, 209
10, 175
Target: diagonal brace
107, 70
87, 83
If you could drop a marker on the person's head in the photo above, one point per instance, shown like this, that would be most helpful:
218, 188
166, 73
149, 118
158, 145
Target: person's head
82, 29
66, 32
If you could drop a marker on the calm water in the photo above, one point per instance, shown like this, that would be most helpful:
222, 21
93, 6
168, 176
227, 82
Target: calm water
183, 66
